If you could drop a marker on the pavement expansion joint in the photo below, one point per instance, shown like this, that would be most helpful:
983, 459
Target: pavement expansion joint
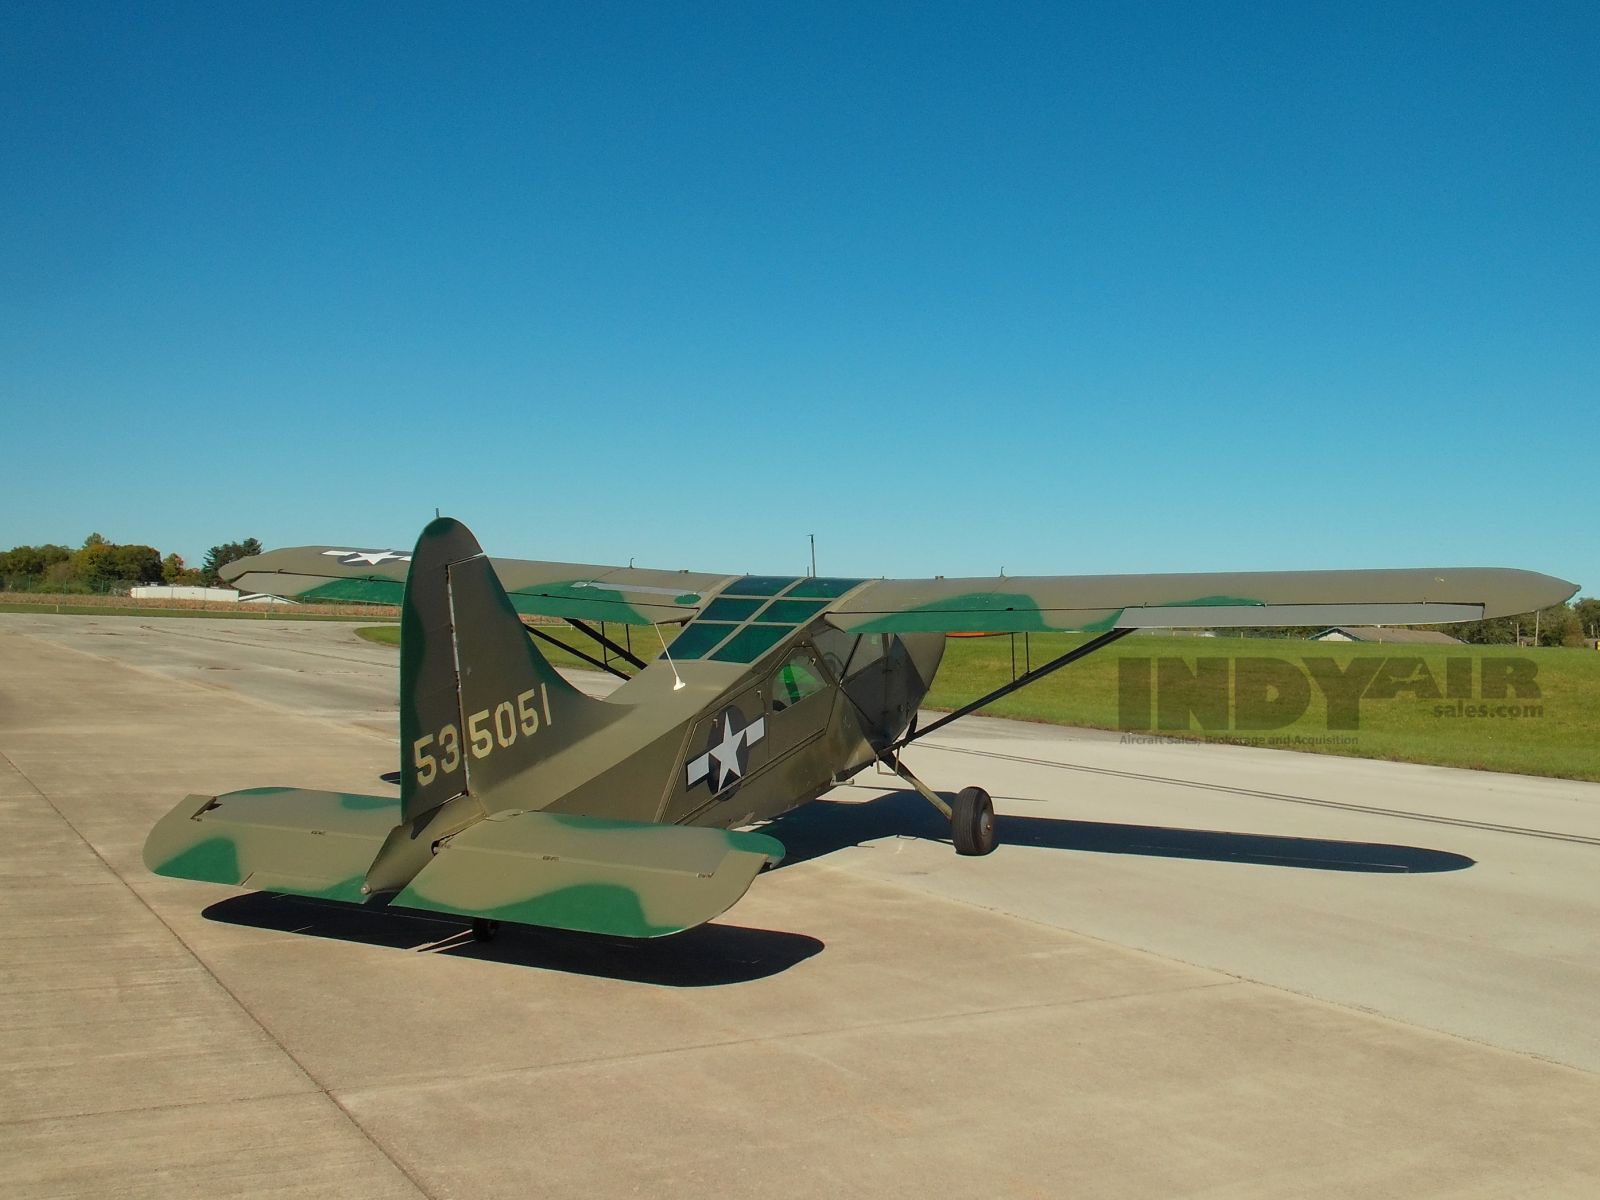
1231, 978
198, 1106
1286, 797
317, 1086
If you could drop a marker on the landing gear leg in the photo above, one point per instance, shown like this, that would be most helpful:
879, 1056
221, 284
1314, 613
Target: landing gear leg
484, 930
971, 817
892, 761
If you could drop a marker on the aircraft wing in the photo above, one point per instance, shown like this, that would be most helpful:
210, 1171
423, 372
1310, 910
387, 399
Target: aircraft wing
1431, 595
341, 575
642, 596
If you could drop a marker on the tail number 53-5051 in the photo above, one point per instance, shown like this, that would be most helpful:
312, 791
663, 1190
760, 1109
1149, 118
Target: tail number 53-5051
488, 730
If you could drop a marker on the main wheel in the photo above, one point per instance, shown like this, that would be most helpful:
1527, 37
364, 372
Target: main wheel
972, 822
484, 930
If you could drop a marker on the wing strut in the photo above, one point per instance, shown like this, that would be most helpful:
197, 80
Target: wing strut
542, 636
1055, 664
625, 655
620, 651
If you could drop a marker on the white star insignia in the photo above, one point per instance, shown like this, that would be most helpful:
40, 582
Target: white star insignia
373, 558
726, 752
723, 756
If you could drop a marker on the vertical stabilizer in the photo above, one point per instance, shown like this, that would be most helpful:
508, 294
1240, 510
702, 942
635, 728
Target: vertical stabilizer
478, 702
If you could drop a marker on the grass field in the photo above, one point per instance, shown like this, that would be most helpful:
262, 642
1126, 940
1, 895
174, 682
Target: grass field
1396, 720
1398, 717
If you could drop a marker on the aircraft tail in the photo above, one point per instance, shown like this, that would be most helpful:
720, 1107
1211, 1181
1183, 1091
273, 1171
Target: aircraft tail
478, 702
478, 705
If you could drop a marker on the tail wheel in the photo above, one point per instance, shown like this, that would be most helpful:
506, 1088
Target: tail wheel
484, 930
972, 822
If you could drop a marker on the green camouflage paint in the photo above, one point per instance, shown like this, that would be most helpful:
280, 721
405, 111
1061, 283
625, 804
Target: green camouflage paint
971, 612
596, 875
355, 591
574, 599
1014, 612
214, 860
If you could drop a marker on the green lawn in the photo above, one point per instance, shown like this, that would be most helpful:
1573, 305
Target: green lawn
1563, 739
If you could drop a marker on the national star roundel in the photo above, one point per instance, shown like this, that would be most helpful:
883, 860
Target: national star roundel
727, 755
366, 558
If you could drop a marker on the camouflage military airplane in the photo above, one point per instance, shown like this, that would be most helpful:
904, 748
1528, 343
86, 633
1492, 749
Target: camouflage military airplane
522, 799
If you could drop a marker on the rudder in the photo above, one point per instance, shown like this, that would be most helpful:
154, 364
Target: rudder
478, 702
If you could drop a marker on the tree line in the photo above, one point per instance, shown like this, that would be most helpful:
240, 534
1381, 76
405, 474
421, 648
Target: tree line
100, 565
1558, 625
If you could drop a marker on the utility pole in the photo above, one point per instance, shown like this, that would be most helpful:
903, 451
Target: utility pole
813, 538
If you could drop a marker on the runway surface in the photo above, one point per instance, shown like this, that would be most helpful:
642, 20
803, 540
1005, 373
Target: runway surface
1187, 970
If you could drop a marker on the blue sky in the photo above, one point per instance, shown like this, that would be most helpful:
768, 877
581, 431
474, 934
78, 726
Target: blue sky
1054, 289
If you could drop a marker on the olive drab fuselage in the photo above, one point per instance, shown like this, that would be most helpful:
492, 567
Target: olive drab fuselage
740, 743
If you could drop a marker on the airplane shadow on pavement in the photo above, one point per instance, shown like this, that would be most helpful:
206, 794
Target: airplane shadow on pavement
706, 956
826, 826
719, 954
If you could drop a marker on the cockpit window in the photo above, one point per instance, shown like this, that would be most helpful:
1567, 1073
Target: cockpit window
869, 650
835, 646
795, 680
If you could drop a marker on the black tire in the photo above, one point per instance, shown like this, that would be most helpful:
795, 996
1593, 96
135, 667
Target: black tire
972, 822
484, 930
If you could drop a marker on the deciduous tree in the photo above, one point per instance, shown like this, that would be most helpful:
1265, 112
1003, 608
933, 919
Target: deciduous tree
175, 574
1587, 611
220, 556
1557, 626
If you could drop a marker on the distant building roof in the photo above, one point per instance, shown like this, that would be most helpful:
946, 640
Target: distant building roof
1385, 633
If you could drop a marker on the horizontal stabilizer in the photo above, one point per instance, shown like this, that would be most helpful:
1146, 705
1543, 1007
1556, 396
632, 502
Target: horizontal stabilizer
624, 878
274, 840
